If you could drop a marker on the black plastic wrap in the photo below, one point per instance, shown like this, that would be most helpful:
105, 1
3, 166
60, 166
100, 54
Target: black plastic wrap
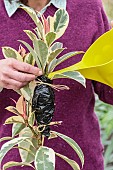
43, 104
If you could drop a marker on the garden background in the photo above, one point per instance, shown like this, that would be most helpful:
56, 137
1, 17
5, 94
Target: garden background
105, 111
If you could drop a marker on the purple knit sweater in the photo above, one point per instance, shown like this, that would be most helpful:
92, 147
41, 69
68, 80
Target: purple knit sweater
76, 106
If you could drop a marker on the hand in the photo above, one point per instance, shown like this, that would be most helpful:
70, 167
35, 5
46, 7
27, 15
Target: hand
15, 74
112, 23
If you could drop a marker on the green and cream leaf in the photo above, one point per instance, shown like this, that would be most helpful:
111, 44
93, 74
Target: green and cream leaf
56, 46
61, 22
9, 52
30, 34
71, 162
36, 20
9, 145
31, 119
29, 59
45, 159
41, 50
12, 164
54, 54
67, 56
17, 128
31, 50
14, 119
50, 38
75, 75
26, 92
5, 138
27, 156
13, 110
73, 144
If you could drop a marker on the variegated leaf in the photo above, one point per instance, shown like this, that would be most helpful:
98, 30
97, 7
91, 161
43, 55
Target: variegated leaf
75, 75
34, 17
50, 38
61, 22
14, 119
54, 54
13, 110
31, 119
12, 164
73, 144
29, 59
45, 159
9, 52
17, 128
30, 34
56, 46
26, 92
9, 145
42, 52
71, 162
68, 55
25, 154
32, 52
5, 138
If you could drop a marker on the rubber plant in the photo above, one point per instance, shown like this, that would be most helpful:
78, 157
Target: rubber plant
35, 106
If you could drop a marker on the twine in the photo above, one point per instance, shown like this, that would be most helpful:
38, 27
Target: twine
56, 87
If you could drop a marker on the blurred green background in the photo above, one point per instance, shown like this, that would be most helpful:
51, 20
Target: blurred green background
108, 5
105, 111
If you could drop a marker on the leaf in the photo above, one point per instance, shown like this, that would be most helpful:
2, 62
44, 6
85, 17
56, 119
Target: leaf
45, 159
14, 119
61, 22
26, 92
31, 119
9, 52
50, 38
52, 59
73, 144
30, 34
12, 164
19, 105
5, 138
32, 86
52, 136
13, 110
51, 66
17, 128
51, 21
29, 59
56, 45
32, 52
28, 145
72, 163
54, 54
34, 17
75, 75
42, 51
46, 24
68, 55
9, 145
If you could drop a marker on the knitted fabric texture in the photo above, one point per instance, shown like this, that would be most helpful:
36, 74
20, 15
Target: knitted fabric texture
75, 107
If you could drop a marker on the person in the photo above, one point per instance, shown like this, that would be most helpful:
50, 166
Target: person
74, 107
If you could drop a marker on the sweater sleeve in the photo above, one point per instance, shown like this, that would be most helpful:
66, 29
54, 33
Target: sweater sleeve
104, 92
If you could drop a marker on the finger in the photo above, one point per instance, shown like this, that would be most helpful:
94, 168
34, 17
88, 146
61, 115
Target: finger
13, 84
26, 68
21, 77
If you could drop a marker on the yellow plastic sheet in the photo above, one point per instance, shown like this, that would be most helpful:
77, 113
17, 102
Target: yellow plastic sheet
97, 62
